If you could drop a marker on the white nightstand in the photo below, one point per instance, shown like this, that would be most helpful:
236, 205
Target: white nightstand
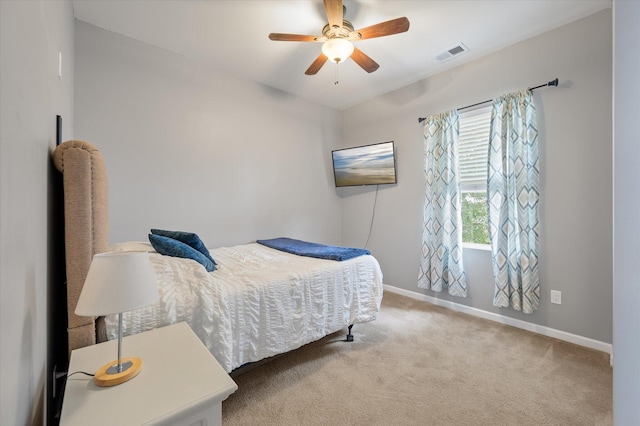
181, 383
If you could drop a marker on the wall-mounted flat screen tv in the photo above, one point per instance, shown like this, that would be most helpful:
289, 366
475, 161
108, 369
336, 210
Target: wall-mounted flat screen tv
365, 165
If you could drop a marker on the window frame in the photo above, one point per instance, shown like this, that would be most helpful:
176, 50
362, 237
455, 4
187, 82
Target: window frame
475, 187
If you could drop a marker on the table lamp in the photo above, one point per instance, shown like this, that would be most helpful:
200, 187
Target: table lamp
117, 283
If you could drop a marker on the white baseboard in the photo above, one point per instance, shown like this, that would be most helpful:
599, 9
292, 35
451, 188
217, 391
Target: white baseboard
524, 325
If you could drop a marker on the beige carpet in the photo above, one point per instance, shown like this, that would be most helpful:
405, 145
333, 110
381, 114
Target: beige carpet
419, 364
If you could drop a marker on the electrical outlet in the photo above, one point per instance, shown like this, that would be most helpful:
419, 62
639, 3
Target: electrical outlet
556, 297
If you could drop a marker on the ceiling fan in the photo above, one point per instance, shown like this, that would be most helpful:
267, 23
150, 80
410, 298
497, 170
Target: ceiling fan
338, 36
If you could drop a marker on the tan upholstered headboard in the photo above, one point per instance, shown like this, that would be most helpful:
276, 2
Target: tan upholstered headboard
86, 225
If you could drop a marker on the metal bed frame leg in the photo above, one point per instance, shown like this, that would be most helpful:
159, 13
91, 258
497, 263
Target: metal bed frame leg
349, 335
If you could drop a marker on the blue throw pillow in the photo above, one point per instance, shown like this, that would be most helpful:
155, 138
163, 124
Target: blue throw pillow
170, 247
189, 238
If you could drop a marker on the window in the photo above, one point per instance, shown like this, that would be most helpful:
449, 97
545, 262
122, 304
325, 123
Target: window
473, 158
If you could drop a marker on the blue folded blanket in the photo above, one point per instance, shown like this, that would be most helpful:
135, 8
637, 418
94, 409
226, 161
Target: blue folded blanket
321, 251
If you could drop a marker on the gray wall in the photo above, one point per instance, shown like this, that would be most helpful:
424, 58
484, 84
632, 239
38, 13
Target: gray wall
190, 148
626, 316
575, 147
31, 35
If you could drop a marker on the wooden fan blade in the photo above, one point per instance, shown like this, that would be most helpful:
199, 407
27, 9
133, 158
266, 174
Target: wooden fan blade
367, 64
295, 37
334, 12
382, 29
316, 65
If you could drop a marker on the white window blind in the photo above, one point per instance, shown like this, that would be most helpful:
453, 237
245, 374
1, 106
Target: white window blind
473, 149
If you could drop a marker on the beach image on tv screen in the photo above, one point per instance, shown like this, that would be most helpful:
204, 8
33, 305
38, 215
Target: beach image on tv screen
367, 165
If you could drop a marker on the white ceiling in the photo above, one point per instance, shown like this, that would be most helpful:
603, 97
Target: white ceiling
232, 35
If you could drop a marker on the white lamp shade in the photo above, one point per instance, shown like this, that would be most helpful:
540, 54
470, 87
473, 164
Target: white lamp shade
116, 283
337, 49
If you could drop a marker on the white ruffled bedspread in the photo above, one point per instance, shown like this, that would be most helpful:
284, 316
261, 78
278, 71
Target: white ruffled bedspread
260, 302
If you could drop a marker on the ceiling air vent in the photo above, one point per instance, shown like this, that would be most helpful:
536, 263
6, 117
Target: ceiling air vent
450, 53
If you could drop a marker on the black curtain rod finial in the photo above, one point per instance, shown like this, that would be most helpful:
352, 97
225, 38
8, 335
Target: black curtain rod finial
551, 83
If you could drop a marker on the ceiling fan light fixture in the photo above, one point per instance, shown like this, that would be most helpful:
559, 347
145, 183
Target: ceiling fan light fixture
337, 49
337, 37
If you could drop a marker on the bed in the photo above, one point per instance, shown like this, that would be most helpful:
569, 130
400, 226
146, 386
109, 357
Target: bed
258, 303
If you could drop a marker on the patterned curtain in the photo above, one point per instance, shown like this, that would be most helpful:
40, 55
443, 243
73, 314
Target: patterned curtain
441, 262
512, 194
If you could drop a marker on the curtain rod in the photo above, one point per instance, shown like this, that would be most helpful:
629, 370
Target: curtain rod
551, 83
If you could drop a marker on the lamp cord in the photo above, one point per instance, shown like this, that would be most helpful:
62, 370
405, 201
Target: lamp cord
80, 372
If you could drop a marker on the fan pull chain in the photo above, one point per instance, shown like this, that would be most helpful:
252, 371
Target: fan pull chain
336, 81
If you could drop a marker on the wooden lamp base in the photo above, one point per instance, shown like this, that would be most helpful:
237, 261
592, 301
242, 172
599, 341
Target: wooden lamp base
108, 374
